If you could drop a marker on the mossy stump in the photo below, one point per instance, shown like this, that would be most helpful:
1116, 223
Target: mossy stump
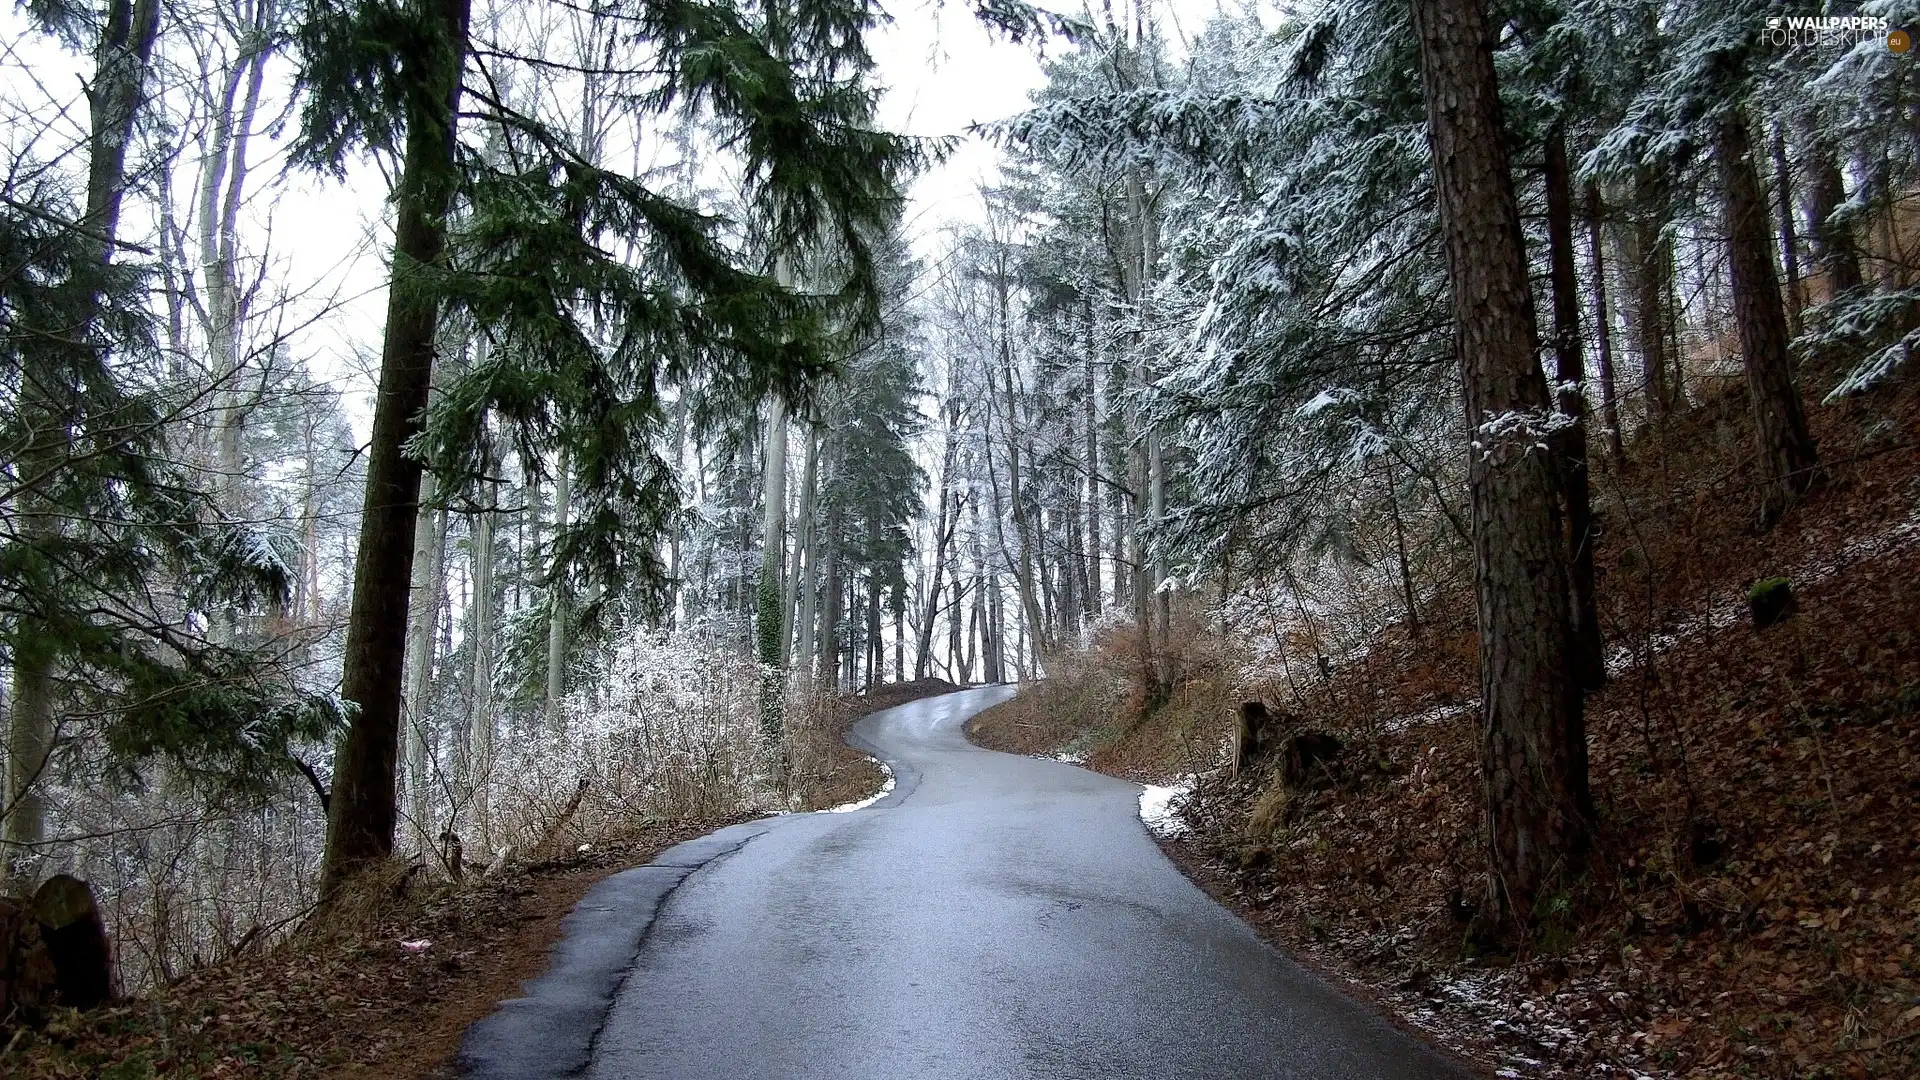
1771, 600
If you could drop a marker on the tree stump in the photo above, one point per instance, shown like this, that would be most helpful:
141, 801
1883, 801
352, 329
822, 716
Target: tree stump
1250, 726
76, 942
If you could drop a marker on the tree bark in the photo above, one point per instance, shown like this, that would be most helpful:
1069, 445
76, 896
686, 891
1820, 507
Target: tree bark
1023, 568
429, 583
1833, 245
830, 618
360, 820
942, 537
1533, 749
1570, 442
1786, 448
1095, 595
773, 520
557, 592
1653, 268
802, 571
480, 678
223, 185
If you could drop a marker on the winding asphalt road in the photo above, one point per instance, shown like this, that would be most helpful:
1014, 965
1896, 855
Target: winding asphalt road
995, 917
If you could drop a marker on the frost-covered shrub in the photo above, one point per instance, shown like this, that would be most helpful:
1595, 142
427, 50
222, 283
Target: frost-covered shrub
663, 724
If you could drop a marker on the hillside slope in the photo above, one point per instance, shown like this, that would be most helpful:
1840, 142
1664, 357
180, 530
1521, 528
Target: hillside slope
1751, 907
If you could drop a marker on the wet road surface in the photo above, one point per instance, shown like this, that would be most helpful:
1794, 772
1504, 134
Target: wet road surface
995, 917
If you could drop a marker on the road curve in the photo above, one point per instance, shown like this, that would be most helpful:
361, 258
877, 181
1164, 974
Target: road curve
995, 917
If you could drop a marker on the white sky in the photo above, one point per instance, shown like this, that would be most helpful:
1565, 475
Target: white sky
943, 73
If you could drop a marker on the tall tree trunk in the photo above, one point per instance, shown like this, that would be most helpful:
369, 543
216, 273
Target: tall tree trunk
772, 601
1141, 590
429, 583
1538, 807
995, 641
1789, 233
360, 819
1092, 421
1652, 270
1786, 447
223, 185
1071, 569
830, 619
1153, 607
1603, 328
1570, 442
806, 557
959, 667
1161, 608
802, 526
1120, 503
942, 537
480, 677
876, 645
773, 526
121, 62
1023, 568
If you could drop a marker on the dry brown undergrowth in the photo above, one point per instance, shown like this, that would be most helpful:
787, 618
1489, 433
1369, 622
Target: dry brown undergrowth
1753, 906
358, 995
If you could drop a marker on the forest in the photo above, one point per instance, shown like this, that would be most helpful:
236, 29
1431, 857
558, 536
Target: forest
1466, 451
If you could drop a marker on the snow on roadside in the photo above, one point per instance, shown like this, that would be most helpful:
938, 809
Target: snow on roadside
862, 804
1156, 808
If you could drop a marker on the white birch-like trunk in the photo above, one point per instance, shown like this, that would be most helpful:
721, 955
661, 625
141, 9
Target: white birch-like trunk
557, 592
429, 583
222, 187
802, 569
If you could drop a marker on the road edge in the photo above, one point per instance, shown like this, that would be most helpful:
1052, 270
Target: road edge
548, 1033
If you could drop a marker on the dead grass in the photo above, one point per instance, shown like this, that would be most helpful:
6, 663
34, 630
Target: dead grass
1089, 710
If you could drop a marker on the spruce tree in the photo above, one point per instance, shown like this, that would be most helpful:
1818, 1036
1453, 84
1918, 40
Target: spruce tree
520, 242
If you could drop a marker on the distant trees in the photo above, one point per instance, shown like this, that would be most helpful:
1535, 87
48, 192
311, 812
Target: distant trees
120, 576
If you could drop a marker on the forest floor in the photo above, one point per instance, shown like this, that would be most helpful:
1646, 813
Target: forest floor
386, 988
1752, 905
